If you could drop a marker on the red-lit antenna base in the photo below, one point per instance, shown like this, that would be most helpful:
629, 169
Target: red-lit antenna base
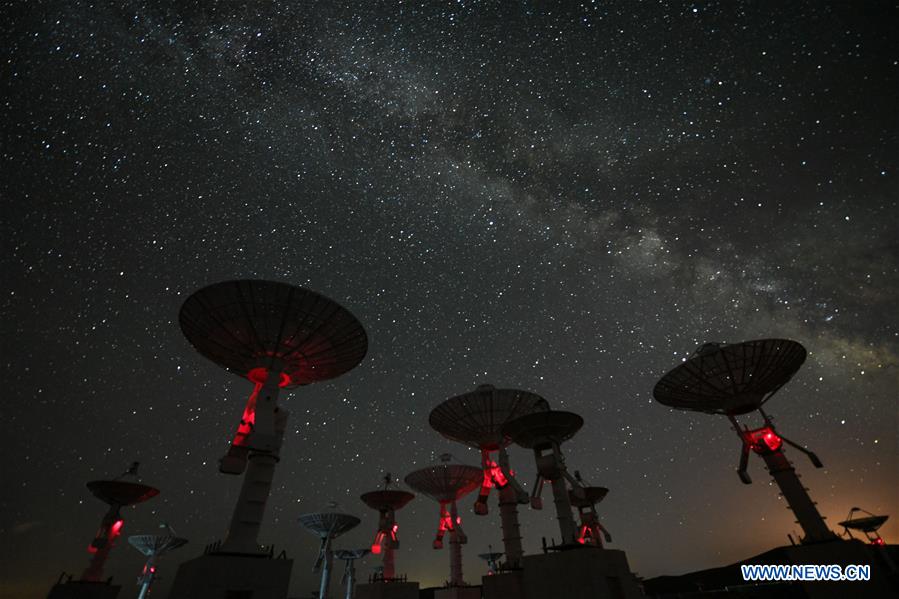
106, 536
260, 374
764, 440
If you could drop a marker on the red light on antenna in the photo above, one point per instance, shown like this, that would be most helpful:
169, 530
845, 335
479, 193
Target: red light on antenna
116, 528
496, 474
585, 533
878, 542
260, 374
765, 440
152, 569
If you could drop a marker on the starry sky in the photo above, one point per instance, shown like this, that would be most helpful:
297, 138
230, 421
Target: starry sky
564, 200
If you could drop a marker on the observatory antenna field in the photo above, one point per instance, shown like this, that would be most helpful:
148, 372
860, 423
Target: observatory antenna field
280, 337
633, 266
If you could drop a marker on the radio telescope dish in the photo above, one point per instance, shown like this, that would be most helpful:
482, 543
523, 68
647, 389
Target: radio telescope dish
476, 418
445, 482
275, 335
731, 379
329, 525
346, 554
250, 324
587, 496
116, 493
387, 499
121, 492
734, 380
153, 546
539, 428
869, 525
156, 544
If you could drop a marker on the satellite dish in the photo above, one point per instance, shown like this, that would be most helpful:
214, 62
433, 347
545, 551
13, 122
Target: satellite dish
116, 493
275, 335
731, 379
738, 379
544, 432
154, 547
251, 324
327, 526
445, 483
387, 501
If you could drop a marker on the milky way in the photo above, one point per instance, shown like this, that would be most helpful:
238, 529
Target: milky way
567, 202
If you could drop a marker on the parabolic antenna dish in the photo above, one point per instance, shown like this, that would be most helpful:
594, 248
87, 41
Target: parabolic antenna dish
387, 500
329, 524
446, 482
866, 524
476, 418
589, 496
155, 544
731, 379
535, 429
251, 324
351, 553
490, 557
120, 492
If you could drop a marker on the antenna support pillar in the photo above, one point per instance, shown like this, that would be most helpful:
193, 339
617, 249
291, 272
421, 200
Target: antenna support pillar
508, 511
797, 498
256, 488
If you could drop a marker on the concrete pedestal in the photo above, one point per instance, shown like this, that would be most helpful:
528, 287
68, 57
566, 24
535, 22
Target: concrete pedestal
226, 576
458, 593
581, 573
503, 585
83, 589
387, 590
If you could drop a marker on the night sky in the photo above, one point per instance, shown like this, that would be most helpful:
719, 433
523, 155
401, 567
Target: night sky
563, 201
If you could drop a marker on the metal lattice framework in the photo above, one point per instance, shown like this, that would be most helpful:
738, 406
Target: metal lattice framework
537, 428
445, 482
156, 545
731, 379
386, 500
243, 325
120, 492
329, 524
476, 418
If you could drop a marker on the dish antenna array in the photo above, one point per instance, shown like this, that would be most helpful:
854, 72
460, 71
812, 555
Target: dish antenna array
446, 483
386, 501
734, 380
154, 547
327, 526
544, 432
276, 336
476, 419
116, 493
